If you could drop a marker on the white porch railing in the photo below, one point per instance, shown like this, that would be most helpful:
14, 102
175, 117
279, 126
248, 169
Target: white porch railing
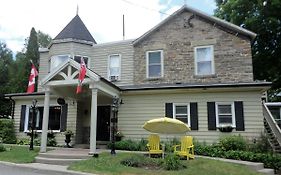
276, 131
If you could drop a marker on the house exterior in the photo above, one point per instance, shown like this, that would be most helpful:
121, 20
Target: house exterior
193, 67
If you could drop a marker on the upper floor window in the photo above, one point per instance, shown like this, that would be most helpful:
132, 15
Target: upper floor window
225, 114
181, 112
204, 60
57, 60
114, 67
77, 58
154, 64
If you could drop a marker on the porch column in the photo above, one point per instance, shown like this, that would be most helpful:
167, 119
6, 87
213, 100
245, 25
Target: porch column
93, 133
45, 121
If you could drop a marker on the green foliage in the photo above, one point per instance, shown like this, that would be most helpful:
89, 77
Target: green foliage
264, 18
24, 141
260, 145
7, 133
43, 39
233, 143
51, 139
2, 148
139, 160
172, 162
130, 145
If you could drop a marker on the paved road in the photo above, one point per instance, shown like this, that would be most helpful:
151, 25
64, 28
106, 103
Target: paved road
15, 170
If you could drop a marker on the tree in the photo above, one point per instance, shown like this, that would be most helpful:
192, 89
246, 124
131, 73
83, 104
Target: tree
264, 18
32, 50
6, 60
43, 39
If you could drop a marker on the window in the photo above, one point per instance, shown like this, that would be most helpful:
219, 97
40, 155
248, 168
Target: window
57, 60
154, 64
204, 60
77, 58
54, 118
276, 113
225, 114
114, 67
181, 112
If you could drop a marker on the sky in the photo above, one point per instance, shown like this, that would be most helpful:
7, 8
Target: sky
103, 18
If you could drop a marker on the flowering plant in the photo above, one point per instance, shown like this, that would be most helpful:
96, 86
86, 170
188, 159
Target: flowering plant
68, 132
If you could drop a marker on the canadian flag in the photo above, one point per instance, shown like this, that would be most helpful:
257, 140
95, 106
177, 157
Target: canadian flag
31, 82
81, 77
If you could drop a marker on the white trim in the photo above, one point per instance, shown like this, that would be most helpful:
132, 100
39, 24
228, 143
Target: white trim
188, 111
212, 60
50, 61
108, 66
232, 113
161, 62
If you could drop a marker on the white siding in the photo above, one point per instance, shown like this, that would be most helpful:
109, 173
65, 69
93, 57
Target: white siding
139, 108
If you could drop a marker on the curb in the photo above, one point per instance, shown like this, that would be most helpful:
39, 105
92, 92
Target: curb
45, 168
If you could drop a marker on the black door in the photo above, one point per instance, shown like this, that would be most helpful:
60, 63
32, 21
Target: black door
103, 123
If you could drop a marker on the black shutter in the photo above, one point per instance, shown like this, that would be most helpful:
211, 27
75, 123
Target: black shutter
63, 118
169, 110
194, 116
22, 117
211, 115
239, 115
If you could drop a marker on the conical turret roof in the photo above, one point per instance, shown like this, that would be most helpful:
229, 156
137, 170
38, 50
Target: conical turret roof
76, 29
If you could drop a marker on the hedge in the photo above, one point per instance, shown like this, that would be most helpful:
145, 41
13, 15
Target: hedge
7, 131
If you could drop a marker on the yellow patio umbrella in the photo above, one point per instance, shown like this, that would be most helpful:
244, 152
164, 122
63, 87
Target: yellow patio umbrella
166, 125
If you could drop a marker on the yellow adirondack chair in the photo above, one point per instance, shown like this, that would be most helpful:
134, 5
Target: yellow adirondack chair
186, 148
154, 145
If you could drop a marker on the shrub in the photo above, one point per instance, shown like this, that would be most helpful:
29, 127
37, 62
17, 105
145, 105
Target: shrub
172, 162
2, 148
23, 141
7, 132
260, 145
141, 161
133, 161
233, 143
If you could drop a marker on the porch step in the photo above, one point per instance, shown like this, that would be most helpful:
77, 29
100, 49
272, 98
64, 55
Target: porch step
62, 156
266, 171
55, 161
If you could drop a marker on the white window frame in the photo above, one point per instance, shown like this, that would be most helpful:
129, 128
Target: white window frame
161, 62
27, 119
108, 66
50, 60
188, 111
212, 60
232, 113
83, 56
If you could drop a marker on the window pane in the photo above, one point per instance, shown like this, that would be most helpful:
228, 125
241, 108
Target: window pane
57, 60
154, 71
181, 109
275, 111
114, 61
182, 118
154, 57
224, 109
114, 71
204, 68
204, 54
225, 119
54, 118
78, 59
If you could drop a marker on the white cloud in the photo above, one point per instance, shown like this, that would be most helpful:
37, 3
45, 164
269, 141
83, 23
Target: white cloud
102, 18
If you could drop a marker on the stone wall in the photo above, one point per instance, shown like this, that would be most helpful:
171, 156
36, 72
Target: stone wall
232, 53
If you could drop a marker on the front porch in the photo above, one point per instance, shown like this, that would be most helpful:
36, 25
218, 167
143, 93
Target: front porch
93, 105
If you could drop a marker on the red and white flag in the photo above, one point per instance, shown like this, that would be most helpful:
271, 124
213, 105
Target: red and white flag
31, 82
81, 77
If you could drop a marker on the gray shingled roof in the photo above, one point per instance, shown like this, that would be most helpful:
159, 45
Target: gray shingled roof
76, 29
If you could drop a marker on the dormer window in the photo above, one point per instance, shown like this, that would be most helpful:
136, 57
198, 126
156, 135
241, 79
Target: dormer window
57, 60
114, 67
204, 60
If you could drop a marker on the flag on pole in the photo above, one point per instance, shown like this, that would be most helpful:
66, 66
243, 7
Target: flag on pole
81, 77
31, 82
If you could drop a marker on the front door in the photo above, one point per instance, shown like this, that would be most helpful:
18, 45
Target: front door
103, 123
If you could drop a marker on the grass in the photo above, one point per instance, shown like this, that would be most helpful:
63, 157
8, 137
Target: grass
107, 164
18, 154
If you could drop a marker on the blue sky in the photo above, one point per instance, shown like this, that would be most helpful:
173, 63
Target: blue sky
102, 18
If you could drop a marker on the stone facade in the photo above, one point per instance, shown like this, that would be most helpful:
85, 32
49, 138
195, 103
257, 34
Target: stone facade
232, 53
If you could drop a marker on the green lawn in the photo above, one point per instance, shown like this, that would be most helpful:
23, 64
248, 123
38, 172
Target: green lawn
107, 164
18, 154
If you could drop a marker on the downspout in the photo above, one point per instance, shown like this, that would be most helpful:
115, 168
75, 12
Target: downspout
13, 107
